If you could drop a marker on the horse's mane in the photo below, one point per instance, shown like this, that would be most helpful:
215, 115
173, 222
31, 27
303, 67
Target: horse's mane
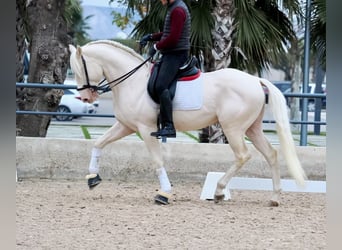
117, 45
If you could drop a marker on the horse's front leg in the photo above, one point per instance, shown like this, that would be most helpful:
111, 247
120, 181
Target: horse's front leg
154, 147
116, 132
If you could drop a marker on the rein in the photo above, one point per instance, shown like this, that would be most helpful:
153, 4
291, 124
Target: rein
106, 87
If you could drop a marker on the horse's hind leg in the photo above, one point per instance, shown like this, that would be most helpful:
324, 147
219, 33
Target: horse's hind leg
256, 135
242, 155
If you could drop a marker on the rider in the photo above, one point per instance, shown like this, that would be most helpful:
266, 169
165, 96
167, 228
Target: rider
174, 45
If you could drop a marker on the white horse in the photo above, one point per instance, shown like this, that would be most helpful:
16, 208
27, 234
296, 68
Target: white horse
231, 97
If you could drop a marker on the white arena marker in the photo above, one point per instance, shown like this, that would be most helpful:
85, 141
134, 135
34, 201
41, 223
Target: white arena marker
265, 184
209, 187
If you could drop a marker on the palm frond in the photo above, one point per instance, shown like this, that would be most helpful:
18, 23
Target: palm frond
262, 31
202, 23
318, 29
152, 22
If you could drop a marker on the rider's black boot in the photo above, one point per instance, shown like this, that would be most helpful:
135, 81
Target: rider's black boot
168, 129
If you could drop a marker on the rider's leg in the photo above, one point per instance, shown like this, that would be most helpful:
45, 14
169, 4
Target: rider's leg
167, 73
168, 128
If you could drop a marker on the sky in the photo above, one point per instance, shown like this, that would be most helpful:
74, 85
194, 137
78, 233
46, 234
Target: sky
103, 3
101, 23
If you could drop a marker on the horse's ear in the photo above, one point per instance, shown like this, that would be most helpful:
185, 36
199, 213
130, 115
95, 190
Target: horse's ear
72, 48
78, 51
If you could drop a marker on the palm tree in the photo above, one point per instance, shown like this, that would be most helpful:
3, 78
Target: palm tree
249, 36
291, 61
318, 45
318, 30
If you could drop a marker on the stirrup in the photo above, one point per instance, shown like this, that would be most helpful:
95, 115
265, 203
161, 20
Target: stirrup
164, 133
156, 134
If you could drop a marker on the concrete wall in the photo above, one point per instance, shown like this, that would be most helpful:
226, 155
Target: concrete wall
129, 160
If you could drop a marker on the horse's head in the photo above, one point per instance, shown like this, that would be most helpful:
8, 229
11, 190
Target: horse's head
88, 73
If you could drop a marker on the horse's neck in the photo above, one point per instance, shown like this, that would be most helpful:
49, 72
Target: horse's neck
116, 63
134, 88
117, 66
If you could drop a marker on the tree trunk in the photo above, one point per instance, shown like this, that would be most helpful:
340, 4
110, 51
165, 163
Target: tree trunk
294, 101
20, 39
319, 77
222, 35
48, 41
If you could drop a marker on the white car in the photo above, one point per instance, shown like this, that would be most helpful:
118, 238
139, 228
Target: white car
71, 103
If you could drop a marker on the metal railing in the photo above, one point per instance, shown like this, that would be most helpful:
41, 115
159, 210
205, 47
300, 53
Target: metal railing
62, 86
53, 86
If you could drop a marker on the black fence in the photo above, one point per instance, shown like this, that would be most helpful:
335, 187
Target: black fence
62, 86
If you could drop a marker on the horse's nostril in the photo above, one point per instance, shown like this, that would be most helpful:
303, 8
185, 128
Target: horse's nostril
85, 100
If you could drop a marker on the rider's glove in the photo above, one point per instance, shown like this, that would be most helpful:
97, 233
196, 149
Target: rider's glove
145, 39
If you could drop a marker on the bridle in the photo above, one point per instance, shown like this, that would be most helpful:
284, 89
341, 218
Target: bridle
102, 88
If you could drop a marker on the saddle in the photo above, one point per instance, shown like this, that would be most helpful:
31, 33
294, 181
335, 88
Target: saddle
187, 72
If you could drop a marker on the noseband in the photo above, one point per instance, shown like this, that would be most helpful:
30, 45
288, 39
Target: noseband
106, 87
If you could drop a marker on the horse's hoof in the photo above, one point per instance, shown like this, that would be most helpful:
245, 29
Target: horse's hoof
93, 180
218, 198
273, 203
162, 198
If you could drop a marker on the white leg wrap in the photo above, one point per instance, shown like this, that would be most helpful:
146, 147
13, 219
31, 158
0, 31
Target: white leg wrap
94, 161
165, 184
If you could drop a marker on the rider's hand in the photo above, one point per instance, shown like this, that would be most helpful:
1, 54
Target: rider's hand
152, 51
145, 39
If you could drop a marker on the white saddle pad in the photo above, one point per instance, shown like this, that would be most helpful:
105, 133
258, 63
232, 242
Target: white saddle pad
189, 95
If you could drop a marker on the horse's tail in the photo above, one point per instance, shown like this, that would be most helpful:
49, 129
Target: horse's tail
278, 106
